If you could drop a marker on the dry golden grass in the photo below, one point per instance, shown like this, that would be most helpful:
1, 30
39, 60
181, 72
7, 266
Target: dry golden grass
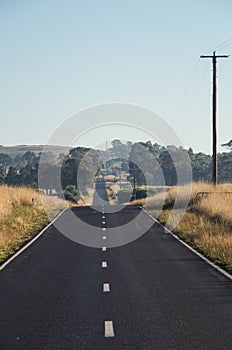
88, 198
11, 197
212, 237
19, 219
207, 221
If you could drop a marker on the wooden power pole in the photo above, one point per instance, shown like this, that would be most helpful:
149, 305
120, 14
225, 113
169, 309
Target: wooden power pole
214, 112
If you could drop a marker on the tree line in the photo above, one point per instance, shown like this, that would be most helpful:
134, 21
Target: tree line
57, 174
158, 156
75, 174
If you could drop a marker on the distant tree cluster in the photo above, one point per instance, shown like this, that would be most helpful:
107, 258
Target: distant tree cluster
20, 170
69, 174
162, 157
58, 174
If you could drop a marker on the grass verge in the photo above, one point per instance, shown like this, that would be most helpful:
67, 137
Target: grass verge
207, 222
19, 219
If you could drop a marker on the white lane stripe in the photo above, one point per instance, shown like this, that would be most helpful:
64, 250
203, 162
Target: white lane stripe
106, 287
103, 217
109, 329
104, 249
216, 267
103, 222
104, 237
104, 263
31, 241
103, 228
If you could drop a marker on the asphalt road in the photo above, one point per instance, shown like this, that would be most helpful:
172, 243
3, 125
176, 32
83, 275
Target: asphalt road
161, 295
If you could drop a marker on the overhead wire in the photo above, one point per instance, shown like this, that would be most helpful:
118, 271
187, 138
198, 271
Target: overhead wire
186, 91
193, 97
206, 96
222, 45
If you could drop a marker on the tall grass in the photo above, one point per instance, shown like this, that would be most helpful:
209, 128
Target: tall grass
21, 217
207, 220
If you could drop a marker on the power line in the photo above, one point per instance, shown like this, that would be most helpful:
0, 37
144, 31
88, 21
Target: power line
196, 113
222, 45
193, 96
186, 91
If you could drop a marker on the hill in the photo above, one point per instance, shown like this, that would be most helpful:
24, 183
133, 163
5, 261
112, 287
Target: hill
21, 149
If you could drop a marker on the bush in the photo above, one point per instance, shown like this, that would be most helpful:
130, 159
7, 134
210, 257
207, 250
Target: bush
144, 192
71, 193
126, 195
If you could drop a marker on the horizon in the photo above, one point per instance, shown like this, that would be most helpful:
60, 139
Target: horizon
225, 150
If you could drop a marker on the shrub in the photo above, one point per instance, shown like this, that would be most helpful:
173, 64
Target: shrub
144, 192
126, 195
71, 193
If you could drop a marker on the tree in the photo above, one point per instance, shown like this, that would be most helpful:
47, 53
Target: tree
143, 164
71, 193
29, 159
225, 167
168, 168
28, 175
12, 177
69, 172
201, 166
5, 161
120, 150
2, 175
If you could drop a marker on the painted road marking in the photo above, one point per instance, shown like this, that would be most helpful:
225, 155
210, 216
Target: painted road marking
104, 249
223, 272
103, 228
104, 263
109, 329
103, 217
103, 237
106, 287
103, 222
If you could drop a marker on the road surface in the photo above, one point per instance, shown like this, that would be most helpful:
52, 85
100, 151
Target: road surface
153, 293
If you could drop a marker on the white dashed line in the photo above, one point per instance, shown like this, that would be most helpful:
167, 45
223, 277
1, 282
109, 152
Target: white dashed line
109, 329
104, 263
103, 237
103, 222
103, 228
106, 287
104, 249
103, 217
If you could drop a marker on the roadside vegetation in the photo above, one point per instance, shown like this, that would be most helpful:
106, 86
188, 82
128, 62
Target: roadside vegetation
21, 216
125, 195
207, 222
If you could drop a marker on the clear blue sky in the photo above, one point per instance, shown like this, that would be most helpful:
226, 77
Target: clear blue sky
58, 57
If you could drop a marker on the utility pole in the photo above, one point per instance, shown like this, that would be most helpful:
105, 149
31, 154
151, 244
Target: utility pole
214, 112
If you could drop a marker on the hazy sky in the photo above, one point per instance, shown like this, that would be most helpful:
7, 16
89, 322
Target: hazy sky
58, 57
